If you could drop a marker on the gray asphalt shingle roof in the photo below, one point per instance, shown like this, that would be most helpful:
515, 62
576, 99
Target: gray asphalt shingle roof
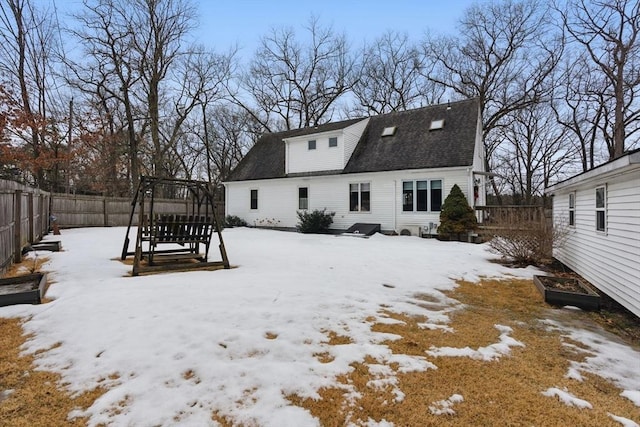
413, 146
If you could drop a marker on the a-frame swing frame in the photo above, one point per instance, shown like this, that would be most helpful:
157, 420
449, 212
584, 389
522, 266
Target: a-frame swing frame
181, 234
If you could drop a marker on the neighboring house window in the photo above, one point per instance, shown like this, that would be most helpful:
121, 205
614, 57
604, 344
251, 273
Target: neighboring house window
601, 208
254, 199
303, 198
360, 197
572, 209
416, 195
333, 141
312, 145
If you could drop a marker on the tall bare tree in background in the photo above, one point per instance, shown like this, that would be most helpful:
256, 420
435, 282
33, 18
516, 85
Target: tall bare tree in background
389, 78
578, 107
141, 73
291, 84
534, 149
28, 41
609, 31
504, 55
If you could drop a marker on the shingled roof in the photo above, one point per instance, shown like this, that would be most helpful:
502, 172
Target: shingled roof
412, 146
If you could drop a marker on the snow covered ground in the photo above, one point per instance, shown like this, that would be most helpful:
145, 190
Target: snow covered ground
182, 345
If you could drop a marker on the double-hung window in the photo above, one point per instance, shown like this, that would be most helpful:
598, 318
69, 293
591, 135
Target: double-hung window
601, 208
360, 197
254, 199
303, 198
572, 209
311, 145
422, 195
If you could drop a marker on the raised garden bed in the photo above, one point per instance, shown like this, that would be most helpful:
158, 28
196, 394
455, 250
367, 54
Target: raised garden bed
28, 289
46, 245
567, 291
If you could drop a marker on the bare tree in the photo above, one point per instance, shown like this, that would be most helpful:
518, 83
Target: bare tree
141, 72
27, 43
389, 78
535, 151
609, 33
294, 85
578, 107
108, 75
168, 22
504, 56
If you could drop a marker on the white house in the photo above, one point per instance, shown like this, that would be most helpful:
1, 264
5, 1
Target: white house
393, 169
601, 207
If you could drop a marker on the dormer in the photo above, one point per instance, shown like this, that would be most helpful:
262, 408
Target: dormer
322, 151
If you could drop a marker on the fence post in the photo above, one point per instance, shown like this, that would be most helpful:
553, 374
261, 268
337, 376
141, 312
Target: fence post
17, 227
30, 215
105, 212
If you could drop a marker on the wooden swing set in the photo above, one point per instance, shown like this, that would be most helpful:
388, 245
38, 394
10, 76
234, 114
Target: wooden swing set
181, 234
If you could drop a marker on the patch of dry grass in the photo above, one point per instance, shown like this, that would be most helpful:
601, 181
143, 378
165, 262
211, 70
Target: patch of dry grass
35, 398
505, 392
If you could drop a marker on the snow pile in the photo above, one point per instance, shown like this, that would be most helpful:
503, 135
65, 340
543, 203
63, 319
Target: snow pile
444, 407
567, 398
608, 358
487, 354
626, 422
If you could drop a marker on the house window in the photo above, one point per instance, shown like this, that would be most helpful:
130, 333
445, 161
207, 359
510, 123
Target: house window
360, 197
601, 209
303, 198
436, 195
572, 209
417, 195
333, 141
407, 196
312, 144
254, 199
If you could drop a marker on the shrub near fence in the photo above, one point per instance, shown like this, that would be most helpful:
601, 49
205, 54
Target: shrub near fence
24, 218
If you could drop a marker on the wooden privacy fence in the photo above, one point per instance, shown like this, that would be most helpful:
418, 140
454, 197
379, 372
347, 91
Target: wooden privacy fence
73, 210
24, 219
25, 214
513, 217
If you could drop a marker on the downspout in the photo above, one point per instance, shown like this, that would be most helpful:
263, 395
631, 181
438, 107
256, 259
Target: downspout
395, 206
286, 157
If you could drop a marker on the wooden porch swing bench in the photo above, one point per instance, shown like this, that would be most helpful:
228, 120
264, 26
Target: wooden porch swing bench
167, 242
180, 230
185, 233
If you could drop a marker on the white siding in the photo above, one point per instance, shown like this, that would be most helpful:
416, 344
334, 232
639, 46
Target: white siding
300, 159
352, 135
610, 260
479, 166
278, 198
323, 158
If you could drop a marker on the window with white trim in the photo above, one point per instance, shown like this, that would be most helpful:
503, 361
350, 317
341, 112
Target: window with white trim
312, 144
254, 199
360, 197
333, 141
601, 208
303, 198
422, 195
572, 209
